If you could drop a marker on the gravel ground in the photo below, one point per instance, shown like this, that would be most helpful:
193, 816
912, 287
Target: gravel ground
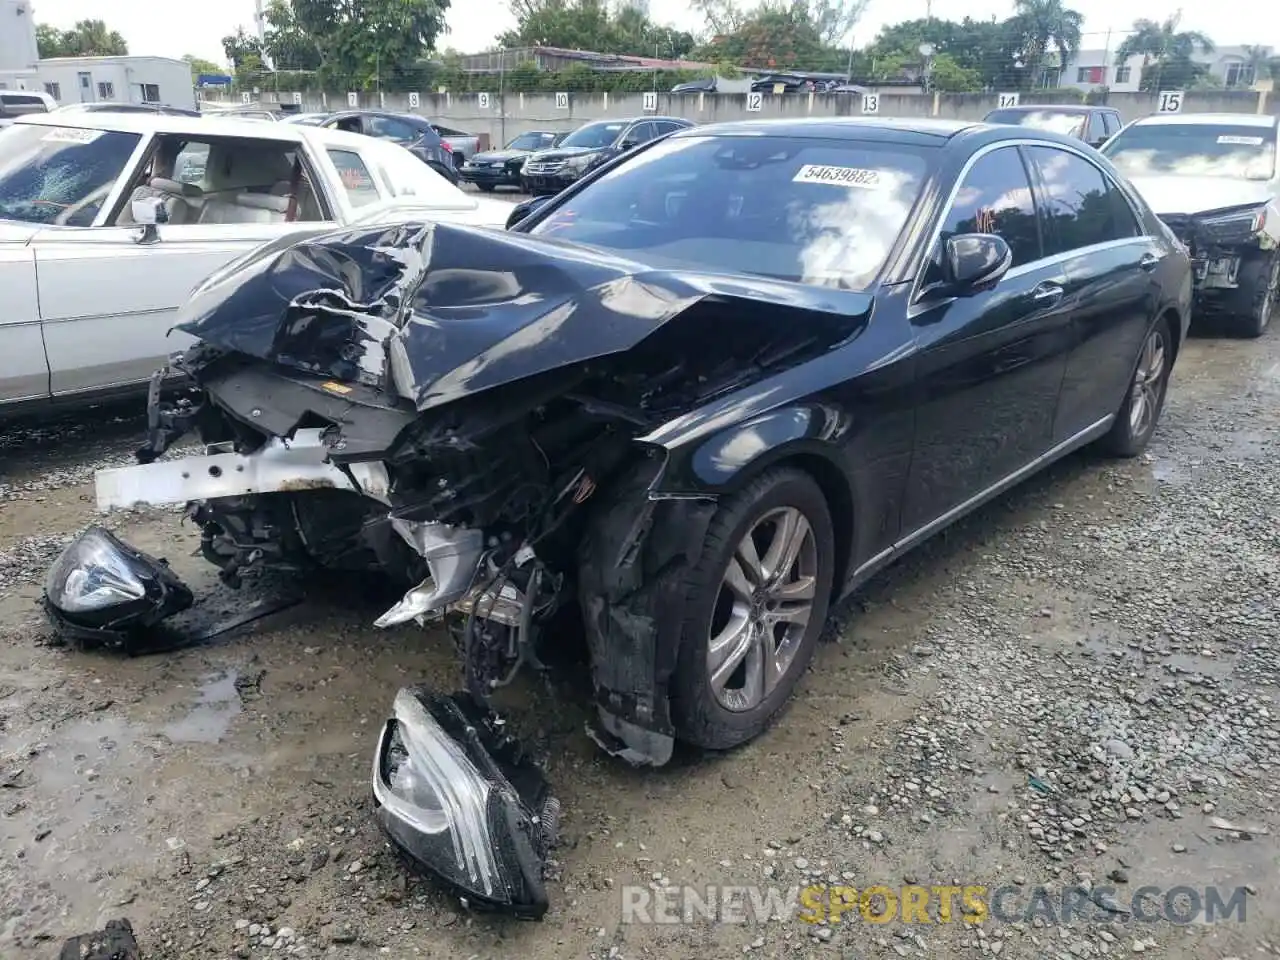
1073, 691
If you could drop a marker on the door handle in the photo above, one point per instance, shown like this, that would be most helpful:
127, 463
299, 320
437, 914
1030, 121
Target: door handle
1047, 292
1148, 261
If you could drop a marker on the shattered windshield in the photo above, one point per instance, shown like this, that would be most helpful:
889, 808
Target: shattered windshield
1055, 121
824, 212
593, 135
1195, 150
59, 175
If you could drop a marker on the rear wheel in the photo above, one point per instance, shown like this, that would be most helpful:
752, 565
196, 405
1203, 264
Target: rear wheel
1258, 294
755, 604
1144, 400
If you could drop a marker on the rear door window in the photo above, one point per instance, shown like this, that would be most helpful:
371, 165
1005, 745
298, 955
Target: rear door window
1111, 123
995, 197
389, 128
1078, 202
357, 182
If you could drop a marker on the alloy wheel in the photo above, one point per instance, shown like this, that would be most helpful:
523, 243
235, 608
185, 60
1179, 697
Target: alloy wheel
763, 609
1148, 380
1269, 297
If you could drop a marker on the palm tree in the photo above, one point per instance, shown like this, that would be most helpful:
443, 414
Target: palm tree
1162, 43
1046, 24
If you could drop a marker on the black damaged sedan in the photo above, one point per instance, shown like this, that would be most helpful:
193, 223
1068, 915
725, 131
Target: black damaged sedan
693, 400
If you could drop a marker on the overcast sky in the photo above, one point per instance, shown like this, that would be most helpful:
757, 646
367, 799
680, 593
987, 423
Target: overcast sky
149, 27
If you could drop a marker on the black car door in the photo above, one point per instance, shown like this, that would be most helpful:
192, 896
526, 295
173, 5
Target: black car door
990, 364
1111, 286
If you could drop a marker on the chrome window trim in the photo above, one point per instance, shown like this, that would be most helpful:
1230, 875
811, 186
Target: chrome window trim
936, 233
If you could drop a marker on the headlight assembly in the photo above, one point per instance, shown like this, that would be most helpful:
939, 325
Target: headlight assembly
102, 589
445, 782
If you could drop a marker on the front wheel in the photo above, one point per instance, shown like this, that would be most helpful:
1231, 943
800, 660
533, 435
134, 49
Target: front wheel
755, 604
485, 187
1258, 294
1144, 400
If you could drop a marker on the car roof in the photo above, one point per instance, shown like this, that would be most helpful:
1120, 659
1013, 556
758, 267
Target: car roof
1053, 108
1219, 119
201, 126
395, 114
889, 129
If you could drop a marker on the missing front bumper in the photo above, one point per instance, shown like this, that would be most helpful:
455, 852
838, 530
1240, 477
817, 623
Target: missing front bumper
280, 466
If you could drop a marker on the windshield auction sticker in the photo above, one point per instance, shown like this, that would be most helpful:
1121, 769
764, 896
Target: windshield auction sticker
71, 135
1241, 141
840, 176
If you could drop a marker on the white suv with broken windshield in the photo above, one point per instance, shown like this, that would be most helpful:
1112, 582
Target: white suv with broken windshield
1212, 178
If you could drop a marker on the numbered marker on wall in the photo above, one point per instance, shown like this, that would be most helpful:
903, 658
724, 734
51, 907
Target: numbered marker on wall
1005, 100
1170, 101
755, 101
483, 100
651, 101
871, 103
246, 97
414, 100
353, 99
297, 97
562, 101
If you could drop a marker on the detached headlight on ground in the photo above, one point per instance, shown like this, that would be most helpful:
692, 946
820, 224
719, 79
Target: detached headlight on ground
101, 588
456, 794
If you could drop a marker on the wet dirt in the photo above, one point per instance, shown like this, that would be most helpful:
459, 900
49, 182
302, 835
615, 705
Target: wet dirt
210, 792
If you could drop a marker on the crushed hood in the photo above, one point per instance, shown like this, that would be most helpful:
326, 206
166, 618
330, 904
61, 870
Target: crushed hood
1169, 195
436, 312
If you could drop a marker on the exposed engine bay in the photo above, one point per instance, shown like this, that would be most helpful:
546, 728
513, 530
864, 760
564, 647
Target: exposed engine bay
368, 402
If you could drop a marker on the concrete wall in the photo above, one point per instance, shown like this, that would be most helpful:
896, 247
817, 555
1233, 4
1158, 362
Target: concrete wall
512, 114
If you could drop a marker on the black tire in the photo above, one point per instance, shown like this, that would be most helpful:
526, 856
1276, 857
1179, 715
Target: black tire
1258, 295
485, 187
698, 716
1131, 432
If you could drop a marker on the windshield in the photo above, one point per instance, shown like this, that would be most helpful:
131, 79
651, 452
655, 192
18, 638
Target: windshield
1055, 121
594, 135
1195, 150
532, 141
59, 175
824, 212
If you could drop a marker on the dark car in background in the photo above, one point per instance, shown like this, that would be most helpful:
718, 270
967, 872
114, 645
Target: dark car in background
416, 134
501, 168
550, 171
1094, 125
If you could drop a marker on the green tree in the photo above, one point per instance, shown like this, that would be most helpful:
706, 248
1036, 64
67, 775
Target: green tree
985, 48
593, 25
88, 38
949, 76
363, 42
286, 44
776, 35
1046, 25
199, 65
1167, 53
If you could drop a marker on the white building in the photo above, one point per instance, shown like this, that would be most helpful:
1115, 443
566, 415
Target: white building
18, 53
118, 80
1091, 69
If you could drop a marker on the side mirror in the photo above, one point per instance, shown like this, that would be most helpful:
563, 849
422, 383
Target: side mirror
627, 144
523, 210
149, 211
971, 261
